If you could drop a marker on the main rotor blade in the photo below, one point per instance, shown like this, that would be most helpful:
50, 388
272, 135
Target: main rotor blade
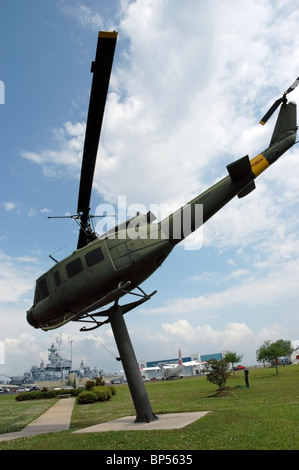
101, 69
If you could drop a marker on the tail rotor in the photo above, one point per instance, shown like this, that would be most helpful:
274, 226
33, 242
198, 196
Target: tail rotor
275, 105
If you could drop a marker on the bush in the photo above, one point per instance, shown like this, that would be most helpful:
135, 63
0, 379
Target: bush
76, 391
89, 384
112, 389
99, 381
86, 397
45, 393
99, 393
69, 391
40, 394
102, 393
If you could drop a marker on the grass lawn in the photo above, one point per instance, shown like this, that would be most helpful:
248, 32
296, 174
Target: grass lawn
263, 416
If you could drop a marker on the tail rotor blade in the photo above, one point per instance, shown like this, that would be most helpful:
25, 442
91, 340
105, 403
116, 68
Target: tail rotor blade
293, 86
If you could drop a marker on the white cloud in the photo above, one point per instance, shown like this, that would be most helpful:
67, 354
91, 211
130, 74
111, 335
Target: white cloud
259, 292
16, 278
9, 206
65, 157
45, 210
203, 338
232, 336
31, 212
84, 15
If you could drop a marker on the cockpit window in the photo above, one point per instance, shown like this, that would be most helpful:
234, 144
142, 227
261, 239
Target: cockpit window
73, 268
42, 290
94, 256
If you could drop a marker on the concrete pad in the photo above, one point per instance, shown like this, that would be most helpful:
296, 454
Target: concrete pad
165, 421
55, 419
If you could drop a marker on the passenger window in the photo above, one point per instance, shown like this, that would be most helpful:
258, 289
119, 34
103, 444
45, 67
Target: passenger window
42, 290
94, 257
73, 268
57, 278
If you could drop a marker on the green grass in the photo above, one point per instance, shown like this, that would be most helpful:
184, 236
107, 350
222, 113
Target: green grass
14, 416
264, 416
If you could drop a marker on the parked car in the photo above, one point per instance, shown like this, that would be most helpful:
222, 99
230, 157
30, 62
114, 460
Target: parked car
239, 367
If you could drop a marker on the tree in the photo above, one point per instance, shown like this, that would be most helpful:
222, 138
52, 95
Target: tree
270, 352
218, 372
232, 358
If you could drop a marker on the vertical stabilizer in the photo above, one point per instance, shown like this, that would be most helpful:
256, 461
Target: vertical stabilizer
180, 357
286, 122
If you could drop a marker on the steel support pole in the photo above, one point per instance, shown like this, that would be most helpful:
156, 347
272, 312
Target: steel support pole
144, 412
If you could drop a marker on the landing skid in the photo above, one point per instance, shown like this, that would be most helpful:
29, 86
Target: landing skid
90, 318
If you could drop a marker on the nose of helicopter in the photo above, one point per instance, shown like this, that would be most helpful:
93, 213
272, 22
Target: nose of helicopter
30, 318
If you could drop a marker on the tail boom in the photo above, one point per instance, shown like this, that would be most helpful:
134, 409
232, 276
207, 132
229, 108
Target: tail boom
240, 181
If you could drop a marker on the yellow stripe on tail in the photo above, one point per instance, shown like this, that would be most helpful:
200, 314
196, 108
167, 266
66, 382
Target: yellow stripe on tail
259, 164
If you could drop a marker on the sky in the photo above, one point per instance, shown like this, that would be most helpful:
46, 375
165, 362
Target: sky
190, 83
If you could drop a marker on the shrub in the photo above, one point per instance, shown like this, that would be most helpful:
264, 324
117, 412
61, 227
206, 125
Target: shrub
89, 384
76, 391
112, 389
99, 393
86, 397
99, 381
69, 391
102, 393
45, 393
23, 396
40, 394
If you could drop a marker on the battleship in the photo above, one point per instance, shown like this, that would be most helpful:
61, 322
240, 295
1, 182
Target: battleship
56, 370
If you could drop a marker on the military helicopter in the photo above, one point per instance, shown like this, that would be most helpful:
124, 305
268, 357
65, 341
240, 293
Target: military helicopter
104, 269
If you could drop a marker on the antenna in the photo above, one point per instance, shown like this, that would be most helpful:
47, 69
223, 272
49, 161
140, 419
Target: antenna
71, 343
52, 257
59, 341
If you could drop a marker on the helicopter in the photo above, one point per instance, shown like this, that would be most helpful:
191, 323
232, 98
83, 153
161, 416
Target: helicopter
105, 268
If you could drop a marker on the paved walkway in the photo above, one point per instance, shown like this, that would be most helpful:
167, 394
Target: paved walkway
55, 419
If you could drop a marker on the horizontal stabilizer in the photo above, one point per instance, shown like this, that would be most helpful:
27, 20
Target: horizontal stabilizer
238, 169
247, 190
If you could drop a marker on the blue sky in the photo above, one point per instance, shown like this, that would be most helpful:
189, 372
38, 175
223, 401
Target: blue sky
190, 82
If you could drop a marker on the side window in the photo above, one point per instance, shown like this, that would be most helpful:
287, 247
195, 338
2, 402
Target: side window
94, 257
42, 290
57, 278
73, 268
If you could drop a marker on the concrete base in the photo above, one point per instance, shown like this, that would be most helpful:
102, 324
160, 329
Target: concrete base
166, 421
